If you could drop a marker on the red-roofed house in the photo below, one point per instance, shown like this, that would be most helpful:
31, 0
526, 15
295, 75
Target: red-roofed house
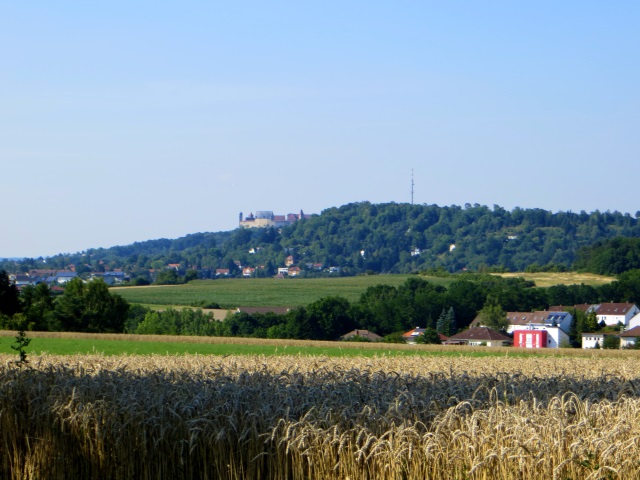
628, 338
614, 313
248, 271
476, 336
411, 336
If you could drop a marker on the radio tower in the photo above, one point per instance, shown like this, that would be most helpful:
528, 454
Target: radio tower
412, 186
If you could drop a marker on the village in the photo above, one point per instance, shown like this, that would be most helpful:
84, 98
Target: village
540, 329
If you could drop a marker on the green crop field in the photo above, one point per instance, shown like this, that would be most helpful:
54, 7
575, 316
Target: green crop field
293, 292
123, 344
68, 343
260, 292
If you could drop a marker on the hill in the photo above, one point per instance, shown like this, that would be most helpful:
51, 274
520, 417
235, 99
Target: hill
376, 238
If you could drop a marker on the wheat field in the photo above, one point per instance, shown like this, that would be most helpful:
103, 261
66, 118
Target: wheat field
294, 417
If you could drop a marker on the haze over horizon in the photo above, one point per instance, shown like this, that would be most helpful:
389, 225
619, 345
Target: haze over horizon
128, 122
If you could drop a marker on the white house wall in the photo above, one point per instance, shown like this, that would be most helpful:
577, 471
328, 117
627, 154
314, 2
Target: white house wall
635, 321
590, 340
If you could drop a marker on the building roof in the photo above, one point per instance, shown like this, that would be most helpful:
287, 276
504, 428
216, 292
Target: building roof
541, 317
414, 333
480, 333
632, 332
374, 337
614, 308
66, 274
525, 318
583, 307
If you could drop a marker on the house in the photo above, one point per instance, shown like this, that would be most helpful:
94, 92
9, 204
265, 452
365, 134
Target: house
615, 313
595, 340
366, 334
110, 278
289, 261
539, 319
294, 271
248, 271
283, 271
540, 337
222, 272
61, 278
610, 313
628, 337
411, 336
635, 321
23, 280
476, 336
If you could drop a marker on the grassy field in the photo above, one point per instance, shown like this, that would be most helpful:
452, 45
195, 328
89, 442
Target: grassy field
68, 343
121, 344
299, 417
548, 279
260, 292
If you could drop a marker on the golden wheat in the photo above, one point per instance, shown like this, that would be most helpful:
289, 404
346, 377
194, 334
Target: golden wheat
319, 417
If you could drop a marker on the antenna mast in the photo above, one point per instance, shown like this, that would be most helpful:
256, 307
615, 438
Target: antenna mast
412, 186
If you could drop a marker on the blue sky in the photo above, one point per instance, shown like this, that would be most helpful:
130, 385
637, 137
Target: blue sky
129, 121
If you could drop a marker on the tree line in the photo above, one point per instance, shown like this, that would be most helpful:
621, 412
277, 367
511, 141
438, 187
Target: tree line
386, 310
376, 238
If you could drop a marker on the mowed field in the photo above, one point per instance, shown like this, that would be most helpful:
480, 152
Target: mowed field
548, 279
300, 417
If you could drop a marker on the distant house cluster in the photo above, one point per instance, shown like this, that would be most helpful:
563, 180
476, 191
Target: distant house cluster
57, 278
266, 218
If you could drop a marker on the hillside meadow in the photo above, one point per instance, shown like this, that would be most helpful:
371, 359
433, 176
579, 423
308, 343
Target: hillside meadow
300, 417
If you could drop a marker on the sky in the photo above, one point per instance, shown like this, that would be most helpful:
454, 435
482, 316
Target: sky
128, 121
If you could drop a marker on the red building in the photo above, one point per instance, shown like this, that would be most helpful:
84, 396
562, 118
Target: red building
530, 338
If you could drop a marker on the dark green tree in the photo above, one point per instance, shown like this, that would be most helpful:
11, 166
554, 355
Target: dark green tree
90, 308
492, 315
428, 337
611, 342
329, 318
9, 296
574, 336
168, 276
38, 307
591, 322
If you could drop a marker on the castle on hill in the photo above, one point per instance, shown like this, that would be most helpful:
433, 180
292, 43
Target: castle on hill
266, 218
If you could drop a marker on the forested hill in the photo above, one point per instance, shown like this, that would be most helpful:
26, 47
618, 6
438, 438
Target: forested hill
394, 238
